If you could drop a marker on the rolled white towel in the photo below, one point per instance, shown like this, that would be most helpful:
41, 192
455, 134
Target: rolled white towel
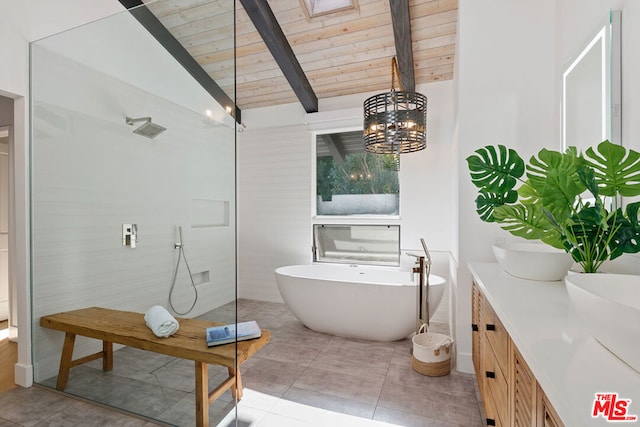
160, 321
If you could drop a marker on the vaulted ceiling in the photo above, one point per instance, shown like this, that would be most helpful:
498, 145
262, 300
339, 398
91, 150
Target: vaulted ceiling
283, 56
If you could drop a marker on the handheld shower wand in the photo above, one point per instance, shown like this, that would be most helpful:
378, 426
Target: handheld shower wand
179, 245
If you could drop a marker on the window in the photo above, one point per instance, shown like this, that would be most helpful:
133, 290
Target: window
357, 244
313, 8
352, 182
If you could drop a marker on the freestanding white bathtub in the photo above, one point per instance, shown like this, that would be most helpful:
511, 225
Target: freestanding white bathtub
356, 302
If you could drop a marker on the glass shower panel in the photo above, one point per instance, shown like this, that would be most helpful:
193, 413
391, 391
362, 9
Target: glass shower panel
126, 215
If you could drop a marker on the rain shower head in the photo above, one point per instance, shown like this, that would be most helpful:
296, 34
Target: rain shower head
148, 129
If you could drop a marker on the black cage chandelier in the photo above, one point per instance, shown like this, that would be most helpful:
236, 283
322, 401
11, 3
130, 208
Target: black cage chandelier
395, 122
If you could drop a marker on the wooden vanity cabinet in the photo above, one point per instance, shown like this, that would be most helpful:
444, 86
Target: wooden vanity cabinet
524, 390
495, 364
510, 393
547, 416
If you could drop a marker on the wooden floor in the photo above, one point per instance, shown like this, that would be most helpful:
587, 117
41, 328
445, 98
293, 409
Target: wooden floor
8, 358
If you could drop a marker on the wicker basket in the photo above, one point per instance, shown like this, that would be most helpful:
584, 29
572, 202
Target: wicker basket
435, 369
431, 353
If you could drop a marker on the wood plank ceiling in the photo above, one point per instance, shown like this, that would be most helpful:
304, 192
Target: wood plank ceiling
345, 53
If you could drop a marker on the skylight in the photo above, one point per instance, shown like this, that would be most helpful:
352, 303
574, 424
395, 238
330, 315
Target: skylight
315, 8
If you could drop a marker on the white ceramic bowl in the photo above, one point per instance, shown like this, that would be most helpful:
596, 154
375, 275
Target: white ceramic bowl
609, 306
624, 264
532, 260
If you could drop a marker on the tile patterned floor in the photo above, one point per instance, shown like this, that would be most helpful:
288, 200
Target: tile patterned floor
301, 378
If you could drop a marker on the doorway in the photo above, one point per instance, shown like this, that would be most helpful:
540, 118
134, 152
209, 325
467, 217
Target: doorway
4, 223
8, 349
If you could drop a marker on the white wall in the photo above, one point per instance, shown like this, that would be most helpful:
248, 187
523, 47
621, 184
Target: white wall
275, 186
506, 94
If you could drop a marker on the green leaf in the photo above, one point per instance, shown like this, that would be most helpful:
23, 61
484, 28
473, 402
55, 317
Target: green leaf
553, 177
586, 237
486, 203
528, 194
617, 169
528, 221
495, 170
588, 177
626, 231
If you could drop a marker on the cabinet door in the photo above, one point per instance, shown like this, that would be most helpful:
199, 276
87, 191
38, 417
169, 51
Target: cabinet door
523, 391
491, 413
546, 415
496, 335
496, 388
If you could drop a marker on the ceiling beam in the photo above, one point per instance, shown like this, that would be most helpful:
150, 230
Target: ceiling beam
335, 147
402, 36
173, 46
265, 22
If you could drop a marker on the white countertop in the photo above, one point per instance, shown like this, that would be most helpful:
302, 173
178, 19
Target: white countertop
570, 365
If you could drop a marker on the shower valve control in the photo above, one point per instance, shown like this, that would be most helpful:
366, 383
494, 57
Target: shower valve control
129, 235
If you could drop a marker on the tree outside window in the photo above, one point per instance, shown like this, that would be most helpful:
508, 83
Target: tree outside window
350, 181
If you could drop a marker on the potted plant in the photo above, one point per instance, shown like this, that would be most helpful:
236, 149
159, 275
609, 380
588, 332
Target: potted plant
567, 200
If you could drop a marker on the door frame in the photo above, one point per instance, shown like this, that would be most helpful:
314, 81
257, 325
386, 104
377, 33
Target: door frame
19, 236
9, 130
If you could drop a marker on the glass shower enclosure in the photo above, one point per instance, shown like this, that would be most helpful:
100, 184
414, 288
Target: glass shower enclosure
133, 205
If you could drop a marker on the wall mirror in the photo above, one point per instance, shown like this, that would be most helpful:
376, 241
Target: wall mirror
591, 90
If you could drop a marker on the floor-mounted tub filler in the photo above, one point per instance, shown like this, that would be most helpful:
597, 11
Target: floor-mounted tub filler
372, 303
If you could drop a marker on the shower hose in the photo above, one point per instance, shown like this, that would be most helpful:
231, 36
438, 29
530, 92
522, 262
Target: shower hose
181, 254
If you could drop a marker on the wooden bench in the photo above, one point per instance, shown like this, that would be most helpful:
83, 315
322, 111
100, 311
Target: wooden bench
128, 328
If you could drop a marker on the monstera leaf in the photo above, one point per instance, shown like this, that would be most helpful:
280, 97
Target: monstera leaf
553, 178
626, 231
588, 177
550, 204
528, 221
548, 160
495, 170
486, 203
617, 169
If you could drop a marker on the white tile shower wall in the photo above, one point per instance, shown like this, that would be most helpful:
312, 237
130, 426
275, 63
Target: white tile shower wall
91, 174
